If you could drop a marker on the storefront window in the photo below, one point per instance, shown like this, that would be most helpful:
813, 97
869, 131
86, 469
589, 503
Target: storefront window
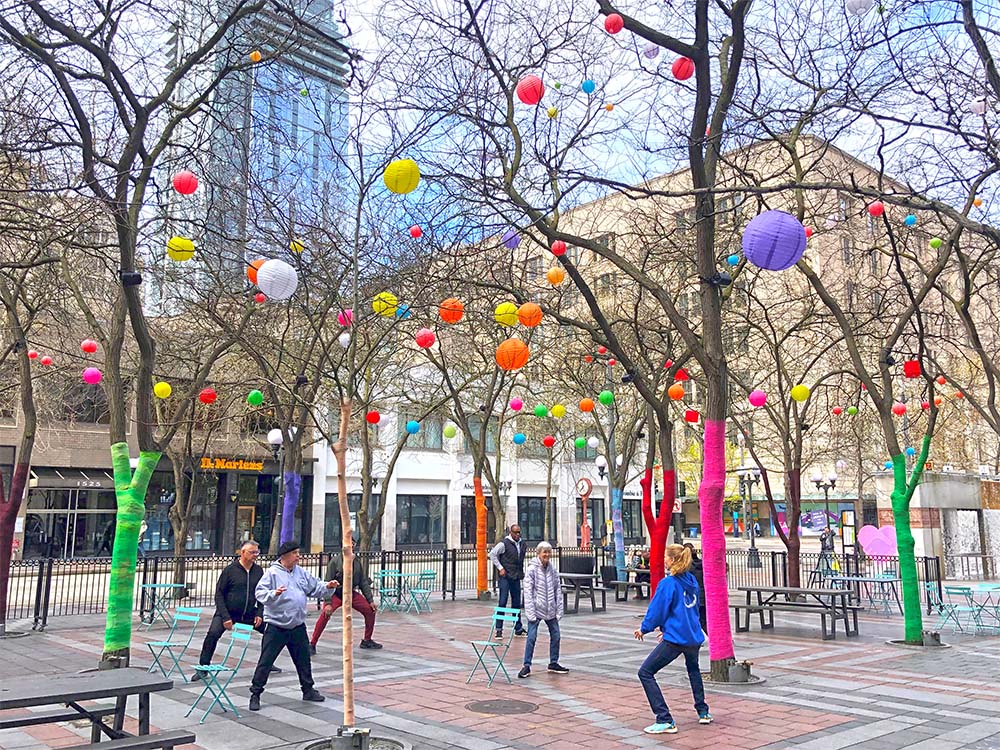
332, 535
420, 519
632, 521
531, 519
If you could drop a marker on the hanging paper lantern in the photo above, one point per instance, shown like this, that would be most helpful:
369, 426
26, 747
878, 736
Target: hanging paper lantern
88, 346
92, 376
606, 397
925, 405
911, 451
449, 431
558, 247
683, 68
580, 443
614, 23
180, 249
757, 398
977, 202
256, 57
612, 362
941, 380
555, 276
185, 182
548, 441
876, 208
911, 368
46, 361
255, 398
651, 51
558, 411
588, 358
530, 89
609, 107
586, 404
373, 417
809, 232
541, 410
800, 392
852, 410
401, 176
277, 279
529, 314
774, 240
253, 268
682, 375
32, 354
451, 310
978, 107
888, 465
260, 297
859, 7
208, 396
385, 304
837, 411
425, 338
910, 220
588, 86
296, 246
505, 314
344, 339
959, 394
593, 441
936, 243
416, 232
938, 401
676, 391
690, 415
516, 404
510, 239
162, 389
899, 409
520, 438
345, 317
668, 364
412, 427
602, 350
552, 112
733, 260
303, 92
512, 354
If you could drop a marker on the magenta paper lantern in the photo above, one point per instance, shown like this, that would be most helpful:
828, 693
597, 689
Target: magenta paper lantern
516, 404
92, 376
425, 338
774, 240
530, 89
757, 398
511, 239
345, 317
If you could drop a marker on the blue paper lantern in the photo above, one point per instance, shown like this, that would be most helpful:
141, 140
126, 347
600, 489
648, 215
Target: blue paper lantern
520, 438
910, 220
911, 451
588, 86
511, 239
403, 312
733, 260
774, 240
413, 427
888, 464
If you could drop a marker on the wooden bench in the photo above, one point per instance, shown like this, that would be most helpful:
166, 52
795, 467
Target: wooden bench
160, 741
58, 716
831, 605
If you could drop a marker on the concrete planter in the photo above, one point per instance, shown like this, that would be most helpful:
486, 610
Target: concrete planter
355, 738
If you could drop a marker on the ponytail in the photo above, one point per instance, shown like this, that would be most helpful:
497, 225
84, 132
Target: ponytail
681, 559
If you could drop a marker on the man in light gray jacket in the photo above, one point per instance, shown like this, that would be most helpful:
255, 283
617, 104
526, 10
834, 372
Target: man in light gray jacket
284, 590
542, 601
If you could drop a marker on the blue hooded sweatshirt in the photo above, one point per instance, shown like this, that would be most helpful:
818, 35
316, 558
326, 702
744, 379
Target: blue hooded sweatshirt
674, 610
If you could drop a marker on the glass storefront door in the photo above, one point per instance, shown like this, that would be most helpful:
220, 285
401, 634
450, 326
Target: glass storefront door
69, 523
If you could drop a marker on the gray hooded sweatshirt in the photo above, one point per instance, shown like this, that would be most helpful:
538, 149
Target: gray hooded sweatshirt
289, 609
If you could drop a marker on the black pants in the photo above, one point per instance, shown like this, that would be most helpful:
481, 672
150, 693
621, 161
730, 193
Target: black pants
215, 631
275, 639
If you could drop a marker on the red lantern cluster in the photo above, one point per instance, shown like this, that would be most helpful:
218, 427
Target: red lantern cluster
683, 68
373, 417
614, 23
911, 368
548, 441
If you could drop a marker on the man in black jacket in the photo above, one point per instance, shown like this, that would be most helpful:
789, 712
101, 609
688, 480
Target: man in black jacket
235, 601
362, 600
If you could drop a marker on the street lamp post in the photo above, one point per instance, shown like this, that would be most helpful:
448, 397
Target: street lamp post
749, 476
276, 439
825, 485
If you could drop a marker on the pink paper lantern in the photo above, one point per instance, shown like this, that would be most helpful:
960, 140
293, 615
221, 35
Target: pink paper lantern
425, 338
92, 376
757, 398
516, 404
345, 317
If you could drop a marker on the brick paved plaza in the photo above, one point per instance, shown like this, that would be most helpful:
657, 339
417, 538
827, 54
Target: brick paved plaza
817, 695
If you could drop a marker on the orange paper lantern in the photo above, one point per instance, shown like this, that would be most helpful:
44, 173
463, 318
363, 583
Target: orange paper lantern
586, 404
252, 270
451, 310
676, 391
512, 354
555, 276
529, 314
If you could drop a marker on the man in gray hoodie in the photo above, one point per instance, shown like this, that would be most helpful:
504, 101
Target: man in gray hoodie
284, 590
542, 601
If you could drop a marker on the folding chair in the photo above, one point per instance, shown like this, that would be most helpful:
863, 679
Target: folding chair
965, 606
389, 583
210, 673
175, 645
498, 648
420, 594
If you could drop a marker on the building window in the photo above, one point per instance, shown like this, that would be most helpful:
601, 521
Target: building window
685, 219
605, 284
877, 300
850, 295
843, 205
531, 519
595, 519
332, 535
420, 520
632, 521
429, 437
467, 515
847, 250
535, 270
573, 254
873, 262
82, 402
475, 430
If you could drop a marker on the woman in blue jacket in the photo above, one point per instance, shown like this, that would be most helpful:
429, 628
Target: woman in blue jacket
674, 611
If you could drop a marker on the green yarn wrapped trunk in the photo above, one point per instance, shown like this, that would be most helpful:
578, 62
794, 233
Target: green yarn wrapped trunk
902, 492
130, 498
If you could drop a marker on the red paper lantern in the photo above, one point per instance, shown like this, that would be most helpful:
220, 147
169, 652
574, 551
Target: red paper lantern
185, 182
602, 350
373, 417
451, 310
876, 208
682, 374
683, 68
938, 401
416, 232
548, 441
837, 411
46, 361
260, 297
925, 405
530, 90
614, 23
612, 362
668, 364
899, 409
911, 368
676, 391
208, 396
809, 232
588, 358
425, 338
32, 354
690, 415
89, 346
959, 394
558, 247
512, 354
941, 380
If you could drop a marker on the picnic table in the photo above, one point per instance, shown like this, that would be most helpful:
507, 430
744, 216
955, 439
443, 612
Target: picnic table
879, 590
582, 584
160, 596
830, 603
70, 691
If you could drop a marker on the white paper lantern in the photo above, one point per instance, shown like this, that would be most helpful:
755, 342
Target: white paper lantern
859, 7
277, 279
275, 437
978, 107
593, 441
344, 339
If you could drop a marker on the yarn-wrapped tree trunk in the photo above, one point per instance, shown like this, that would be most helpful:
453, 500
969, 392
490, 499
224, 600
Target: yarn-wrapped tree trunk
713, 544
482, 566
293, 492
658, 524
902, 493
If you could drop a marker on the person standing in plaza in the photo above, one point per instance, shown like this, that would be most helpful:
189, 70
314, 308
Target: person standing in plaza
362, 600
235, 601
825, 562
673, 611
543, 602
508, 557
284, 590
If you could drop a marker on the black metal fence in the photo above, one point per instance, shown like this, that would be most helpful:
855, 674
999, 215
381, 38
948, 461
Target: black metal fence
45, 588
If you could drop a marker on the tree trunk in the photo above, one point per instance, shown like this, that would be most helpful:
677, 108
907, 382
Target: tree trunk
293, 492
793, 512
130, 497
10, 504
347, 549
584, 526
179, 514
658, 529
713, 547
482, 564
548, 498
618, 531
913, 624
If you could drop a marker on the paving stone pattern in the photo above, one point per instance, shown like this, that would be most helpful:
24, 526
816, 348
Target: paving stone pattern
818, 695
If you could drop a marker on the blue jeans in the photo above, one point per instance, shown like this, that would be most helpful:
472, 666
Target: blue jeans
529, 647
658, 658
510, 588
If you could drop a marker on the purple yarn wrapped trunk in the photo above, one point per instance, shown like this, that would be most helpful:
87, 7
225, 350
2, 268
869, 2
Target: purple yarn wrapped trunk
293, 491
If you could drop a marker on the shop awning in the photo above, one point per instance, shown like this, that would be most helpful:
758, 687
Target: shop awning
44, 478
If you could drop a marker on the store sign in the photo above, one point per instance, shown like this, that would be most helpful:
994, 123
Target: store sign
230, 464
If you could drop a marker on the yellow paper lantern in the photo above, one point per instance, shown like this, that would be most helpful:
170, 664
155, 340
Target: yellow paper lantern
402, 176
558, 411
296, 247
505, 314
385, 304
180, 249
552, 112
555, 276
800, 392
162, 390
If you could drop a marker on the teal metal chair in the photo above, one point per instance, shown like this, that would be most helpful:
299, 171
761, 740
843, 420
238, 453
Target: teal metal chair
176, 643
497, 650
420, 592
965, 607
239, 639
389, 584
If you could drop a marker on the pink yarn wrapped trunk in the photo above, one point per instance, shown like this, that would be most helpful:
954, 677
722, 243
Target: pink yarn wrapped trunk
713, 541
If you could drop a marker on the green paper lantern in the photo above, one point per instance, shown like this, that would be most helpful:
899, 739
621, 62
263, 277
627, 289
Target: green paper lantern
606, 398
580, 442
255, 398
450, 431
936, 243
541, 410
852, 410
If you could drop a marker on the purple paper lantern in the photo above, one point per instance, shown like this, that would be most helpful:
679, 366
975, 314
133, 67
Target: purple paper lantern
511, 239
651, 51
774, 240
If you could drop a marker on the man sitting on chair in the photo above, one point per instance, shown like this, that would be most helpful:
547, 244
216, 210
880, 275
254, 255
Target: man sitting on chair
362, 600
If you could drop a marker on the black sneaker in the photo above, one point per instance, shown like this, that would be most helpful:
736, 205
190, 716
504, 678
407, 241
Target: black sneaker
558, 669
525, 671
498, 635
197, 676
520, 633
369, 643
314, 695
312, 649
255, 702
